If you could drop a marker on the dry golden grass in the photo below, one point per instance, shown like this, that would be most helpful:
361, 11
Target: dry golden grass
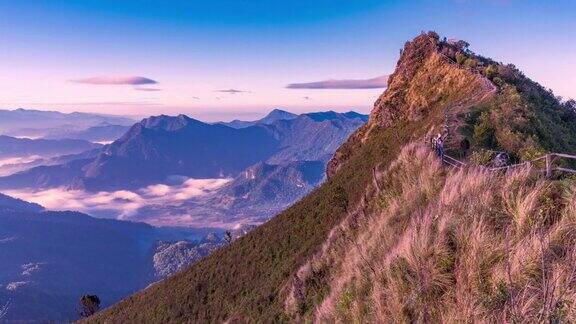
462, 246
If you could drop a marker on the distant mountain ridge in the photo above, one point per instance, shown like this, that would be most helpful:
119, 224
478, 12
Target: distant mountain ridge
37, 123
162, 146
23, 147
273, 116
101, 133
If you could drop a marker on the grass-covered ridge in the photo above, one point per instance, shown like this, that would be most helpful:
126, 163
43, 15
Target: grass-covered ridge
455, 247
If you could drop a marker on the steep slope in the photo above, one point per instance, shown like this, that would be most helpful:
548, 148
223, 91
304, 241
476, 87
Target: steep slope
222, 286
447, 247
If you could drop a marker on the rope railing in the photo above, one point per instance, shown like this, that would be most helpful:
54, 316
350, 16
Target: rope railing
548, 170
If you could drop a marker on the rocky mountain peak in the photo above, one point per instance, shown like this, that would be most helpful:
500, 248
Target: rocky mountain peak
428, 78
167, 123
426, 75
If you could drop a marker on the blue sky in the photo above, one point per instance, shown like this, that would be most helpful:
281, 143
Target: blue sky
53, 52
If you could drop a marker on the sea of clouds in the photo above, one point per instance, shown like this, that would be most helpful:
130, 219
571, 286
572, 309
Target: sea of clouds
121, 204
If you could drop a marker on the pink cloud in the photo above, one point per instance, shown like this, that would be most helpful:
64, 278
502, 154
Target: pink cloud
116, 80
232, 91
374, 83
147, 89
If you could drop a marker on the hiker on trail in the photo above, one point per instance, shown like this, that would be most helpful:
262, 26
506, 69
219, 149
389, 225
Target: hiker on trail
440, 146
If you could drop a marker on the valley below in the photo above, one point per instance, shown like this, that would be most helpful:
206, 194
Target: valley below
66, 230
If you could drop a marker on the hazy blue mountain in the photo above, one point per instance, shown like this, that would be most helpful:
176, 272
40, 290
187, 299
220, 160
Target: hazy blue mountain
36, 123
46, 176
332, 115
11, 147
99, 134
18, 166
50, 259
273, 184
313, 136
273, 116
163, 146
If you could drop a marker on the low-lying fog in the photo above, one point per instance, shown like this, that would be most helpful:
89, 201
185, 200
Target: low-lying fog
122, 204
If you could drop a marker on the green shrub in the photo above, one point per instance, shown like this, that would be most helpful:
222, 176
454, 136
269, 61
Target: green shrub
481, 157
460, 58
490, 71
484, 133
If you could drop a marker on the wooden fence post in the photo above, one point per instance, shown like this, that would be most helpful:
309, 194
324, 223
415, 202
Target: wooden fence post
548, 166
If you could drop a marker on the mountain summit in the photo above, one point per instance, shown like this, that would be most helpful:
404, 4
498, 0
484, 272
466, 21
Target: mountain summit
393, 236
272, 117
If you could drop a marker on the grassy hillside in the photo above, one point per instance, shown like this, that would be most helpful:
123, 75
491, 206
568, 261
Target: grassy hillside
288, 267
453, 247
245, 280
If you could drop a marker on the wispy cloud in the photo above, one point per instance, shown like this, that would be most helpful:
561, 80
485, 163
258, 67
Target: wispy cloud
116, 80
232, 91
374, 83
147, 89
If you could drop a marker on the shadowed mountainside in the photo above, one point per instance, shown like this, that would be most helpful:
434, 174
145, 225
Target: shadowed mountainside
50, 259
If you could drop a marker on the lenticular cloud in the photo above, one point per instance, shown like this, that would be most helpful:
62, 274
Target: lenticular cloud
116, 80
374, 83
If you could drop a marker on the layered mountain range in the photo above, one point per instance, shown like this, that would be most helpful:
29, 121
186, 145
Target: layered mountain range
268, 164
53, 257
394, 235
156, 148
37, 123
12, 148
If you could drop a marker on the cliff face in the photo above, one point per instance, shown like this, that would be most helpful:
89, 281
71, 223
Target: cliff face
425, 79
